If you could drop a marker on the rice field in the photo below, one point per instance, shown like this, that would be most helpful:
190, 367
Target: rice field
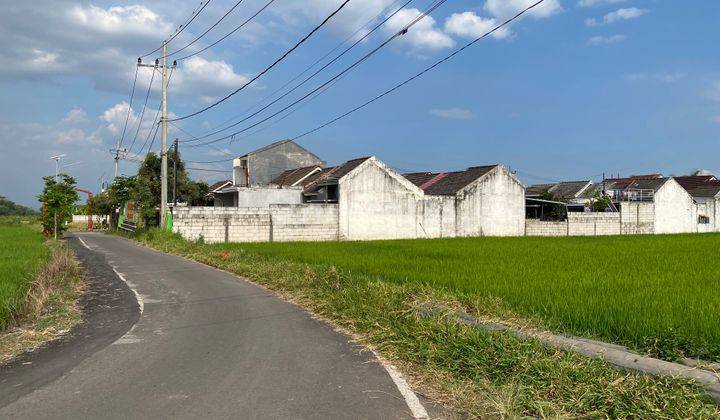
22, 252
659, 294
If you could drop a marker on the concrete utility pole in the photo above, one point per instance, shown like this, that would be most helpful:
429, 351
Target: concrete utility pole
163, 167
117, 152
163, 121
175, 161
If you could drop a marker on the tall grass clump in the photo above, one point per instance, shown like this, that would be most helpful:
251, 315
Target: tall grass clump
659, 294
22, 254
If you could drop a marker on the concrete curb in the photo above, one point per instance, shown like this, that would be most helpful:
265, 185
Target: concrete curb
614, 354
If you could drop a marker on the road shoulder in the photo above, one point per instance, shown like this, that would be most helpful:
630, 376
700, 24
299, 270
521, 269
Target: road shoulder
109, 310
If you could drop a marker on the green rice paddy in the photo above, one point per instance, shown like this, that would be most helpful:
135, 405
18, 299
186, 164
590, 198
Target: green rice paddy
22, 252
659, 294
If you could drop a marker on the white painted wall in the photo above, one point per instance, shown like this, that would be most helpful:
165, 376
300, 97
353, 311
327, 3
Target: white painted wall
492, 206
375, 202
675, 210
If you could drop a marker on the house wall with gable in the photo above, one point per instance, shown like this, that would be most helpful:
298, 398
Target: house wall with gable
377, 203
675, 209
492, 206
264, 165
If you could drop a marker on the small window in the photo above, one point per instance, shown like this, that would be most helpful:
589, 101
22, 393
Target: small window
703, 220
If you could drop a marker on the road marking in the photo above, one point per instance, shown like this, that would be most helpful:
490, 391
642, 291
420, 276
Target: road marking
412, 401
139, 298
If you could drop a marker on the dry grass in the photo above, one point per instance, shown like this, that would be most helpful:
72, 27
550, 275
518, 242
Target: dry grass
50, 306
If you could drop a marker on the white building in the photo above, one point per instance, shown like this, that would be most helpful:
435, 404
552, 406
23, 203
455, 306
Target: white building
364, 199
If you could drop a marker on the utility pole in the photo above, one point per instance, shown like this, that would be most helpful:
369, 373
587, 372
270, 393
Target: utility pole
118, 153
163, 167
164, 121
175, 161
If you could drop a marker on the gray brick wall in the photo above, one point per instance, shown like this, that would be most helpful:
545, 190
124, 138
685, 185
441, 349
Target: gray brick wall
284, 222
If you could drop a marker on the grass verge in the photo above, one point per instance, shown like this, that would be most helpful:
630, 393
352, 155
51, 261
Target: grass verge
40, 285
477, 373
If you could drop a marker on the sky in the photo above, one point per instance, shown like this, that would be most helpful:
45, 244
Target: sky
572, 90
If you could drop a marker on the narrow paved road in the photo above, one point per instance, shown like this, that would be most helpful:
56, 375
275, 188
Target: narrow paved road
209, 345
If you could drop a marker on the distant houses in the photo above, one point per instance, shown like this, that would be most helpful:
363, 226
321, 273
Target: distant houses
283, 192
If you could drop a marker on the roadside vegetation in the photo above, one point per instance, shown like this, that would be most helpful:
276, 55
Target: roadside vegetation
376, 290
658, 294
39, 287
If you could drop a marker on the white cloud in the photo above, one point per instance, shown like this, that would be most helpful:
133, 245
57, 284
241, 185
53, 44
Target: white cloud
453, 113
77, 136
131, 20
423, 35
605, 40
618, 15
115, 116
660, 77
76, 116
592, 3
503, 9
470, 25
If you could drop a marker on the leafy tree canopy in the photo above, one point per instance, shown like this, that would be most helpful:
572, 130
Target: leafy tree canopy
57, 198
9, 208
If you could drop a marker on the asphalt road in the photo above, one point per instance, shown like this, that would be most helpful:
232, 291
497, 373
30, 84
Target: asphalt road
206, 345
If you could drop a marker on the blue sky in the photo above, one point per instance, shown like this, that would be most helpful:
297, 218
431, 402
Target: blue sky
576, 89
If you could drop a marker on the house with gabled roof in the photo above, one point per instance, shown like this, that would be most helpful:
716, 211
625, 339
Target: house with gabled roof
259, 167
478, 201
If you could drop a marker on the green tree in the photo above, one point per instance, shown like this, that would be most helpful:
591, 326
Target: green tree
553, 211
57, 199
146, 189
8, 208
599, 202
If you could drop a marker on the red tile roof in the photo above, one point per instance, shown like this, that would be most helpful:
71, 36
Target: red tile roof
332, 175
447, 183
294, 176
700, 185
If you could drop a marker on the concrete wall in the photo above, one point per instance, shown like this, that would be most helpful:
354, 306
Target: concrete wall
675, 210
708, 208
438, 216
535, 227
377, 203
492, 206
259, 197
304, 222
82, 218
638, 218
593, 224
299, 222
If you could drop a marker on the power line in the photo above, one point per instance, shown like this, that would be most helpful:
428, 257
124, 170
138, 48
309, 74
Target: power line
358, 41
401, 32
207, 30
142, 113
182, 27
305, 38
207, 170
229, 33
427, 69
351, 36
127, 117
